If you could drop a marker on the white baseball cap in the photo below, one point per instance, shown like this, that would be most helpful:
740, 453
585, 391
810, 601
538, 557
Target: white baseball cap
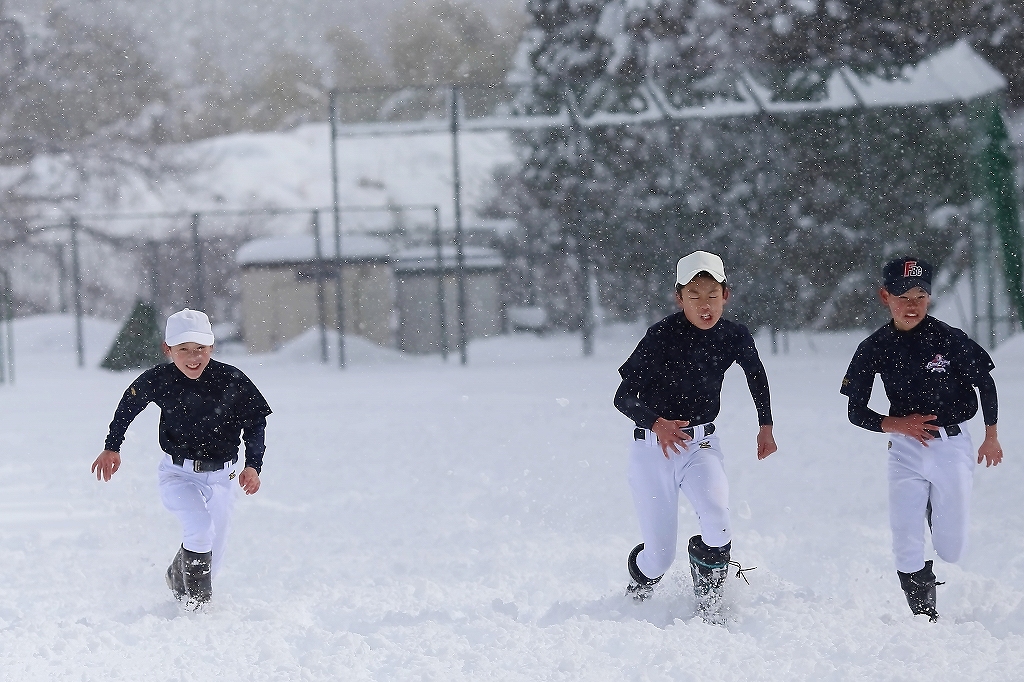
187, 326
699, 261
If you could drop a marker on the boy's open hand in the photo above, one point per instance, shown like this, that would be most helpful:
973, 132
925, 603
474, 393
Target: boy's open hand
249, 480
106, 464
990, 452
765, 442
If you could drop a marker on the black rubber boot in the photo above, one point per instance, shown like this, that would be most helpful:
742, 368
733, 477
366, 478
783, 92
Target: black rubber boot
640, 587
709, 567
175, 577
919, 587
198, 580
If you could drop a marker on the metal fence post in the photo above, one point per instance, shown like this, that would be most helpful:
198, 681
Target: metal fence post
76, 282
4, 327
7, 320
990, 280
460, 260
582, 241
339, 298
199, 298
154, 272
439, 257
318, 274
62, 276
586, 273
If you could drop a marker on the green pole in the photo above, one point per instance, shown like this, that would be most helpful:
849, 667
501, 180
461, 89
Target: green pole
1001, 191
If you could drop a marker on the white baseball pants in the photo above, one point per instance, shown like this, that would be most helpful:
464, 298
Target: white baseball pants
656, 481
943, 472
203, 503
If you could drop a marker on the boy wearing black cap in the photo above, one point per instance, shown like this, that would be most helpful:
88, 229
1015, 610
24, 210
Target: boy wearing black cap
671, 388
930, 371
206, 407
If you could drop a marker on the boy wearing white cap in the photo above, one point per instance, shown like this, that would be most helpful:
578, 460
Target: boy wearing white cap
671, 389
206, 407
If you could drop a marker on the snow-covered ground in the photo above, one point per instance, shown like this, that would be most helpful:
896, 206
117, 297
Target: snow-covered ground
423, 521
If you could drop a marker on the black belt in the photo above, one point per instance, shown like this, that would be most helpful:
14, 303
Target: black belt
202, 466
709, 428
951, 430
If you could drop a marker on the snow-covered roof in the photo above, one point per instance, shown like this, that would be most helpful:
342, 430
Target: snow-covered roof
355, 248
302, 249
425, 258
954, 74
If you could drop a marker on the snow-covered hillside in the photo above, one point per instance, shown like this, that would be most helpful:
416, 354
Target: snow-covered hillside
427, 522
292, 170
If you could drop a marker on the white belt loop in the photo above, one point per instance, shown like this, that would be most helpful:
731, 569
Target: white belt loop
698, 432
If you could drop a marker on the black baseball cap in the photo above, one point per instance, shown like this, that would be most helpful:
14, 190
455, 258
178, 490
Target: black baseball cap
903, 274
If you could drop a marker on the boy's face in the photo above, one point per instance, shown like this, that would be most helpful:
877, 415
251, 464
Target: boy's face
907, 309
191, 358
702, 301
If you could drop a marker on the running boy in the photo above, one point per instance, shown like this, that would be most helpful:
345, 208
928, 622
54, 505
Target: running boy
929, 370
205, 407
671, 389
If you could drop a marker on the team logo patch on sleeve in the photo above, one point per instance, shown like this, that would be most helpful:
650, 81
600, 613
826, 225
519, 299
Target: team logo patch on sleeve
938, 364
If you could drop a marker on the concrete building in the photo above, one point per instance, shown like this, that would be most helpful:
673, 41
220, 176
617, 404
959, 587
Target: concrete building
418, 300
391, 296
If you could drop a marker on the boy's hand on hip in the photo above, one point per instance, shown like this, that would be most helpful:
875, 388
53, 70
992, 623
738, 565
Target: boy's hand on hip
765, 442
917, 426
106, 464
670, 434
249, 480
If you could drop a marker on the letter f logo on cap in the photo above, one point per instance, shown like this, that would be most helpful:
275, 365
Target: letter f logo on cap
912, 269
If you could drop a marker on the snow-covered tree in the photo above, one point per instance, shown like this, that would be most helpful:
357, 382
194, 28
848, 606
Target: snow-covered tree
446, 42
87, 96
86, 115
803, 208
354, 64
875, 35
291, 90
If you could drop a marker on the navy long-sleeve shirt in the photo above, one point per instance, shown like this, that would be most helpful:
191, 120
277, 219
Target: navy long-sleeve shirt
201, 419
677, 370
930, 369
